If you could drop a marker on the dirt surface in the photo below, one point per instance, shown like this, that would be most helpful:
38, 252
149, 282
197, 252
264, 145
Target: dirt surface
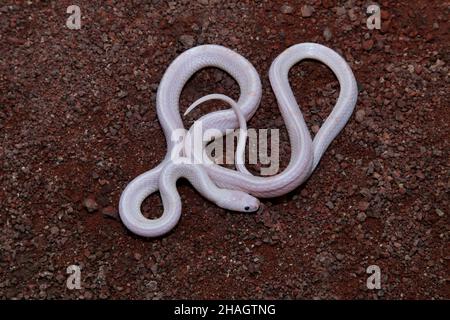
78, 122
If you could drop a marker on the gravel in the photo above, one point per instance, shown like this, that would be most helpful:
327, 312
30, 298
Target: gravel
287, 9
90, 204
368, 44
110, 212
361, 217
359, 115
78, 122
307, 11
187, 41
440, 213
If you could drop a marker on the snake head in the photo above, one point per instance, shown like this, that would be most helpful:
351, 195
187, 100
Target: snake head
238, 201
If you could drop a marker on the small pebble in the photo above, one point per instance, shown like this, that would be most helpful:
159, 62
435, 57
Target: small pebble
307, 11
327, 34
187, 41
360, 115
361, 217
90, 204
286, 9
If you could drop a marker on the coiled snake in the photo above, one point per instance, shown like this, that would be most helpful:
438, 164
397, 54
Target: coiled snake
235, 189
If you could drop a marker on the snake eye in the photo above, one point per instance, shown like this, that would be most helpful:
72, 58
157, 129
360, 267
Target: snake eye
247, 208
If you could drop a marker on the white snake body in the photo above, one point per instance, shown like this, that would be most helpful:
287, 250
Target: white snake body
228, 188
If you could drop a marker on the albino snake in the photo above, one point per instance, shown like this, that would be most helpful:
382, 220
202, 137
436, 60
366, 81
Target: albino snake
231, 189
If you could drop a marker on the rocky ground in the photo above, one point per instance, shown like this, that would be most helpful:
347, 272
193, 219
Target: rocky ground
78, 122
